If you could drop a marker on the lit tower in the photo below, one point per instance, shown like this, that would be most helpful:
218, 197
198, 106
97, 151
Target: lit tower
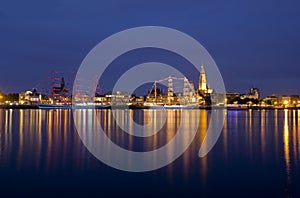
202, 81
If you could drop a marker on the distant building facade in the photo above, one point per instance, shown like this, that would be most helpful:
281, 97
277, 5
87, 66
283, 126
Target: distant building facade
254, 94
30, 97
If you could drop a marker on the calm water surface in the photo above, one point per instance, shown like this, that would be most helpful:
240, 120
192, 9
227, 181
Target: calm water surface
257, 154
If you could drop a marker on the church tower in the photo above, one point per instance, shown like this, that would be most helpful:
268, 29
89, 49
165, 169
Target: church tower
202, 81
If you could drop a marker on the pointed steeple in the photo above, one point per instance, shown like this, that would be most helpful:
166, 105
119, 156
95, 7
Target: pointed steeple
202, 80
202, 69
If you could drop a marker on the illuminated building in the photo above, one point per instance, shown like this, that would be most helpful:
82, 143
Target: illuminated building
254, 94
203, 87
202, 80
30, 97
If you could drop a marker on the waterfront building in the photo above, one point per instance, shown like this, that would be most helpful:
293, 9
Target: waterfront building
100, 99
253, 94
290, 100
138, 101
30, 97
118, 98
272, 100
283, 101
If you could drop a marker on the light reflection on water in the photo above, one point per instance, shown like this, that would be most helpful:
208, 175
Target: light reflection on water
45, 141
286, 142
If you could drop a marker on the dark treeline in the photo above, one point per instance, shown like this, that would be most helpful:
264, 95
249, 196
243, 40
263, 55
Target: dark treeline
12, 97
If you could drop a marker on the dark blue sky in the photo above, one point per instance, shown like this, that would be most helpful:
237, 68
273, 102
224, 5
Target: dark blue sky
255, 42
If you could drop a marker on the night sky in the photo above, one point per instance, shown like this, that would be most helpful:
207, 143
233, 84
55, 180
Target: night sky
254, 43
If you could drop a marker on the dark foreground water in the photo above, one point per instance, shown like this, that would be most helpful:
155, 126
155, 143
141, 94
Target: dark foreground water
257, 155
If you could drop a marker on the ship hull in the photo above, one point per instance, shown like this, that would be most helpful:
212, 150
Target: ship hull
181, 106
53, 106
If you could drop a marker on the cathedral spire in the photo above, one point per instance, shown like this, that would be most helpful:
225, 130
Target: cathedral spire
202, 80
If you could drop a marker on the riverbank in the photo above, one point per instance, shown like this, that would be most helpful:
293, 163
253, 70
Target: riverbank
6, 106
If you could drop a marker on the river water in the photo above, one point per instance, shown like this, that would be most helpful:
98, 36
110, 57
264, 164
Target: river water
257, 154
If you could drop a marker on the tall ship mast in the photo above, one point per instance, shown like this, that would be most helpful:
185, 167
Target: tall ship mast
183, 98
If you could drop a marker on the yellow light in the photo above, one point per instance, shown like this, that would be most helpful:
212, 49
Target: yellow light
286, 102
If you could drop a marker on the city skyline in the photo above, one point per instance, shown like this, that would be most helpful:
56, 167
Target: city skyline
164, 92
143, 90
